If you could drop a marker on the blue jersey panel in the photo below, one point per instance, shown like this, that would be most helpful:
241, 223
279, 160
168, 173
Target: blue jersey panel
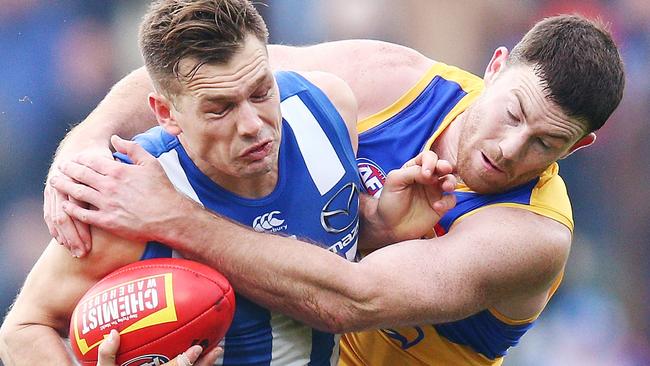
484, 333
315, 198
384, 144
470, 201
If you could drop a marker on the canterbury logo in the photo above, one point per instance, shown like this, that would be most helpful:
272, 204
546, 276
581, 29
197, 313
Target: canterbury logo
268, 221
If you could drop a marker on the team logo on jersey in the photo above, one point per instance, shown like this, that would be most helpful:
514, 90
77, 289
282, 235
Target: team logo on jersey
341, 211
407, 337
372, 176
269, 222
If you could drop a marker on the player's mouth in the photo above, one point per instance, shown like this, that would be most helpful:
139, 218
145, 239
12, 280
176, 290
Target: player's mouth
490, 166
258, 151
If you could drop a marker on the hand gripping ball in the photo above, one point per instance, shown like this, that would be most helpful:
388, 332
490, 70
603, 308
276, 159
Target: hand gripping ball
160, 307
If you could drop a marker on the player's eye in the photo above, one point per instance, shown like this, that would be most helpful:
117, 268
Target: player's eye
219, 113
512, 117
262, 95
543, 144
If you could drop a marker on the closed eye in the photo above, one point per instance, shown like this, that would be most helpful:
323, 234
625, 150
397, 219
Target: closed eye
262, 96
220, 113
543, 144
513, 117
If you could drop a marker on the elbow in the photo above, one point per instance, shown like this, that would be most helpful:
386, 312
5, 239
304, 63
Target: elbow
357, 308
6, 332
342, 320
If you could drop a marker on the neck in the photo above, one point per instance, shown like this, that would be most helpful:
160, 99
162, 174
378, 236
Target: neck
446, 145
256, 186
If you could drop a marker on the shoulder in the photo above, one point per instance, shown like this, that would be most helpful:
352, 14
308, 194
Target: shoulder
377, 72
335, 88
341, 96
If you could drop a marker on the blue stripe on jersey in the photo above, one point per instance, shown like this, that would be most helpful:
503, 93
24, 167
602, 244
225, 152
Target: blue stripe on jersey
321, 345
469, 201
484, 333
156, 250
249, 340
155, 140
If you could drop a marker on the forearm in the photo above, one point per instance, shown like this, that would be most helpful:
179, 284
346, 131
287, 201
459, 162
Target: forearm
33, 345
400, 285
295, 278
124, 112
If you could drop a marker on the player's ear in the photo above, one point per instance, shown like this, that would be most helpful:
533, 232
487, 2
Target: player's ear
581, 144
163, 108
496, 65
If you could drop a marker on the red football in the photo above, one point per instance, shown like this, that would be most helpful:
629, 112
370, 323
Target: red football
160, 307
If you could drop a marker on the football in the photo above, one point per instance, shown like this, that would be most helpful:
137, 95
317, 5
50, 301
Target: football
160, 307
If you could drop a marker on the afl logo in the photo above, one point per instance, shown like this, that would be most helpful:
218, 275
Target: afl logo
372, 176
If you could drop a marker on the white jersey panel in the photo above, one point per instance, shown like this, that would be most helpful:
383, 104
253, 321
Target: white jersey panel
322, 161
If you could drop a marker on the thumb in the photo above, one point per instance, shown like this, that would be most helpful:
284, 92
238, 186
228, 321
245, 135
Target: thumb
135, 152
108, 349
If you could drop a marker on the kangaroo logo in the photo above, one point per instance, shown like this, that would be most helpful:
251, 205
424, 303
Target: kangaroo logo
268, 222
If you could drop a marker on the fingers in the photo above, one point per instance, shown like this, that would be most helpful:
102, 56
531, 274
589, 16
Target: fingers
83, 229
77, 190
416, 174
191, 357
66, 232
444, 204
84, 215
72, 234
86, 172
430, 163
187, 358
108, 349
448, 183
135, 152
210, 358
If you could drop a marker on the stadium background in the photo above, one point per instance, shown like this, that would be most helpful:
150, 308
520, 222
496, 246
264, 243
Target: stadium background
58, 58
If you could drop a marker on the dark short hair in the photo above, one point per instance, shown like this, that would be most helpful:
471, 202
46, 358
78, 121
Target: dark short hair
209, 31
579, 63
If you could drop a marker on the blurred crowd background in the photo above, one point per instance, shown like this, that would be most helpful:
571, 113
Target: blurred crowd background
58, 59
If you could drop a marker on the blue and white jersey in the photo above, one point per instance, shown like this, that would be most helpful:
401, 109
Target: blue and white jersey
316, 198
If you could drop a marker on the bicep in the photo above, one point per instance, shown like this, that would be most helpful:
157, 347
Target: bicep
488, 257
377, 72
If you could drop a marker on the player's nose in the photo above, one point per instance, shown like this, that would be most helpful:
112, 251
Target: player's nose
513, 144
249, 122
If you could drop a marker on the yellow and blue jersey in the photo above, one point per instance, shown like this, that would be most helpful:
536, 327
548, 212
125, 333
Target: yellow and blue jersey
386, 141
